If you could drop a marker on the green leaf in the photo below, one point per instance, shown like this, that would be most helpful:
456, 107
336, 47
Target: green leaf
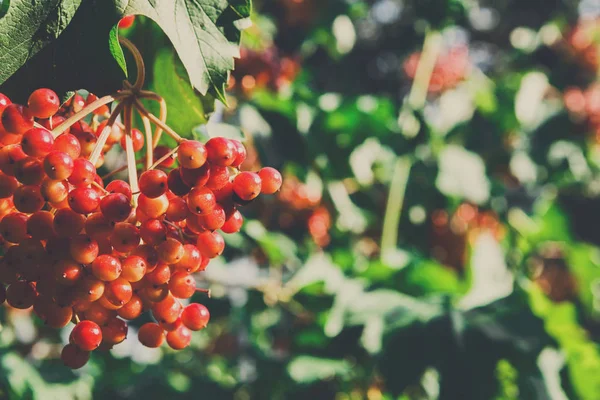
308, 369
116, 50
28, 26
196, 29
70, 44
187, 108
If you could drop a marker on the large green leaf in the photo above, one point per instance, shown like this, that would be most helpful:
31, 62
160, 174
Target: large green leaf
69, 44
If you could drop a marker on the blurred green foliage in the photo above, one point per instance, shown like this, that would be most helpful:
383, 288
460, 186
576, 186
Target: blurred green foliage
487, 284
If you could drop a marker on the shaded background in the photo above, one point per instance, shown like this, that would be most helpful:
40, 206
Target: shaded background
437, 232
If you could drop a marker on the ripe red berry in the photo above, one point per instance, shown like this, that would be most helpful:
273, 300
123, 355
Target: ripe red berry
58, 165
219, 177
201, 200
151, 335
195, 316
86, 335
13, 227
118, 292
69, 144
115, 207
83, 172
182, 285
153, 208
125, 237
234, 223
37, 142
214, 219
221, 151
134, 268
119, 186
160, 152
179, 338
270, 180
210, 244
73, 357
137, 137
28, 199
192, 177
106, 268
167, 310
191, 154
84, 200
20, 295
16, 119
84, 249
247, 185
68, 223
153, 183
241, 154
126, 21
43, 103
132, 309
170, 251
115, 331
54, 191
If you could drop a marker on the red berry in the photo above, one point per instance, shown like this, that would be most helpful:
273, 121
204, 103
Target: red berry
195, 316
234, 223
84, 200
16, 119
115, 207
160, 152
86, 335
73, 357
201, 200
153, 232
37, 142
115, 331
137, 138
58, 165
221, 151
119, 186
179, 338
270, 180
69, 144
153, 183
191, 154
182, 285
126, 21
151, 335
106, 268
247, 185
241, 154
210, 244
83, 173
43, 103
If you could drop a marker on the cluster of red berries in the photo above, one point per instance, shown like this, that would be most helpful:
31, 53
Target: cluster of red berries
301, 207
77, 250
262, 69
450, 68
582, 43
584, 105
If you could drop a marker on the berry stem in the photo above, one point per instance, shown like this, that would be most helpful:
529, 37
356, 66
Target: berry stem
105, 133
163, 158
205, 291
139, 63
85, 111
149, 147
120, 169
146, 94
131, 162
156, 121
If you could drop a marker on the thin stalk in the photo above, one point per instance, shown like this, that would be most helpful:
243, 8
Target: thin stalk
393, 209
131, 162
106, 132
156, 121
139, 63
85, 111
149, 148
163, 158
432, 46
146, 94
